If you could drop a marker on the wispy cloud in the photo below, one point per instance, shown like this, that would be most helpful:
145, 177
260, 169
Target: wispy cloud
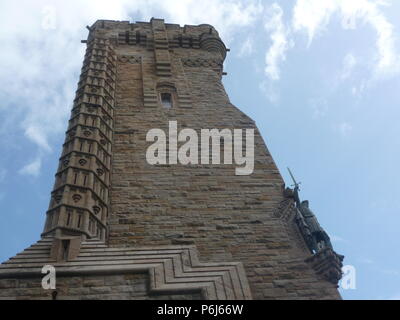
270, 91
319, 107
275, 26
32, 168
349, 62
227, 16
345, 129
247, 48
313, 16
358, 90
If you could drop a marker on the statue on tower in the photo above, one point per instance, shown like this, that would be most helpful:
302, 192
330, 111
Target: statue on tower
314, 235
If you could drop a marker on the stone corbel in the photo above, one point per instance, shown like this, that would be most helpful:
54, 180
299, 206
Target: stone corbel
328, 264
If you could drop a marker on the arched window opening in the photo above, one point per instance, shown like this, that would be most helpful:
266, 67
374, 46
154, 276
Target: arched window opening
167, 96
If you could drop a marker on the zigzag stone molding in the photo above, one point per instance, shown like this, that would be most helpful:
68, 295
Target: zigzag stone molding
172, 268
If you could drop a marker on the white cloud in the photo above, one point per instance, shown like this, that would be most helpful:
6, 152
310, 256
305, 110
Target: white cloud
358, 90
280, 42
247, 48
349, 62
313, 16
37, 135
270, 91
32, 168
228, 17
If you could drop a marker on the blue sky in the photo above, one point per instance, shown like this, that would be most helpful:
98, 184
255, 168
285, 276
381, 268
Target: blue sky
320, 77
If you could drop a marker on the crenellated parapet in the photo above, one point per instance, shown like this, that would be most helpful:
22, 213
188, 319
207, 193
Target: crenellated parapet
164, 38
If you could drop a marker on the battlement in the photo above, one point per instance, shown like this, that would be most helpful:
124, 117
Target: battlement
160, 35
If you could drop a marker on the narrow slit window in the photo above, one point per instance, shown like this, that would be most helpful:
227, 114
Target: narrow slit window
65, 249
166, 100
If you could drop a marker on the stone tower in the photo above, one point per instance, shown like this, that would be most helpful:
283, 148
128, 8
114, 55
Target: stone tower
119, 227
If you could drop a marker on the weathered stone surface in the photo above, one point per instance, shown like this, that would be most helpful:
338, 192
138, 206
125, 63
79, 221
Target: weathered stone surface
121, 287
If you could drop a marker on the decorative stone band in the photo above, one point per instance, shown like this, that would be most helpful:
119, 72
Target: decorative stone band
129, 59
172, 268
213, 64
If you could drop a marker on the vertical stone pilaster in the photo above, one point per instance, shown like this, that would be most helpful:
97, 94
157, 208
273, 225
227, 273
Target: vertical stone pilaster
79, 202
161, 48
